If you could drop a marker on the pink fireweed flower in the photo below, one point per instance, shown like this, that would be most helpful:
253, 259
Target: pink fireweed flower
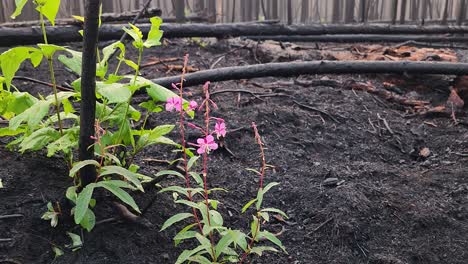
174, 103
205, 145
192, 106
220, 129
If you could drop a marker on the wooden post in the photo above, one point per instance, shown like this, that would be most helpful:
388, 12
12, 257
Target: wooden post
349, 11
290, 14
88, 90
394, 11
274, 9
445, 13
403, 11
461, 12
212, 11
336, 16
362, 11
180, 11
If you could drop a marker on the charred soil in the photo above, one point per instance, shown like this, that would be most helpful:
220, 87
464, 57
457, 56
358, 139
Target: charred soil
356, 178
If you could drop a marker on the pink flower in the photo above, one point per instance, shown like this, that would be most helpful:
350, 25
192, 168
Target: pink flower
174, 103
192, 106
205, 145
220, 128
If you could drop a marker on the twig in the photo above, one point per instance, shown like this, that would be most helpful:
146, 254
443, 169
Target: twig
4, 240
151, 63
308, 107
11, 216
320, 226
238, 91
61, 88
386, 124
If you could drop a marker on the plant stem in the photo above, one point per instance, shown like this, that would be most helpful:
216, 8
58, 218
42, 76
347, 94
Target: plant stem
52, 73
205, 162
184, 144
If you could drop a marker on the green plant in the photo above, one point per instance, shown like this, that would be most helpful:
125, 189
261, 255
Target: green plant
216, 242
51, 123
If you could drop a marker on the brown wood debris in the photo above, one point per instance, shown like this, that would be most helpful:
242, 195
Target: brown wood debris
386, 53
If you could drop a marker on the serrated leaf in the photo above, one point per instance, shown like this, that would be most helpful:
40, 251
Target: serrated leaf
130, 176
77, 166
11, 60
82, 202
174, 219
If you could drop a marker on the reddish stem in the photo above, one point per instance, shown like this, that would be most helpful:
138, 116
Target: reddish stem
258, 139
183, 143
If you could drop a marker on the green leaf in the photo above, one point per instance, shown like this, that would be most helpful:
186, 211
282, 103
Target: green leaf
136, 34
77, 166
19, 7
182, 234
32, 116
89, 220
154, 35
131, 64
39, 139
259, 250
254, 229
71, 193
76, 240
64, 143
121, 194
247, 205
192, 161
186, 254
159, 93
188, 203
82, 202
274, 210
223, 243
11, 60
152, 137
5, 131
196, 176
57, 252
174, 219
49, 10
272, 238
49, 49
130, 176
170, 172
20, 102
73, 62
216, 218
114, 93
269, 186
199, 259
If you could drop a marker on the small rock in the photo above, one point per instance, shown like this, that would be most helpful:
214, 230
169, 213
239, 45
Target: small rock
424, 152
330, 181
165, 256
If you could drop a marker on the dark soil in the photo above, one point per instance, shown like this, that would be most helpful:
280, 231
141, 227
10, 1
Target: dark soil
391, 205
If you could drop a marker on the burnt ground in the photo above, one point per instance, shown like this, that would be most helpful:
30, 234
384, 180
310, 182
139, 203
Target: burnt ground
391, 205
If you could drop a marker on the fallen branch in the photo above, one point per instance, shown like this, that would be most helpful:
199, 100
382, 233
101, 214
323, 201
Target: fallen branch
11, 216
288, 69
24, 78
11, 36
362, 38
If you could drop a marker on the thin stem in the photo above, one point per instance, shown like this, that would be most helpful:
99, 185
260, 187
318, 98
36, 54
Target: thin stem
52, 74
184, 145
205, 163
